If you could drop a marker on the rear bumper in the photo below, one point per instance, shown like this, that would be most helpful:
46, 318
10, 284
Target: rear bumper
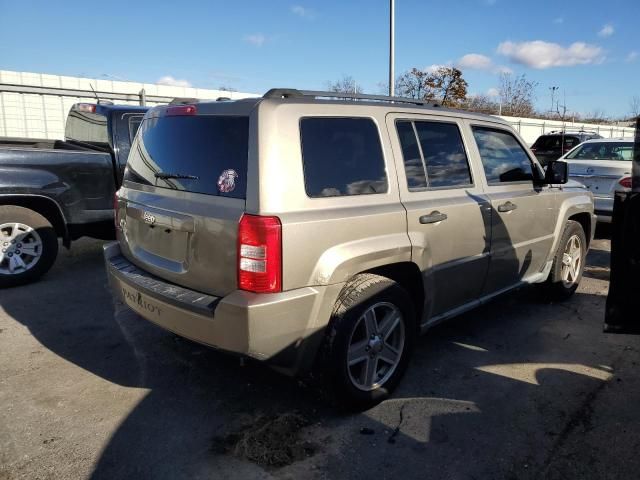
284, 329
603, 208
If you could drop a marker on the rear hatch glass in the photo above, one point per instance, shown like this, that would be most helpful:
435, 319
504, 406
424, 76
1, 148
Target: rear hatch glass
193, 153
184, 228
555, 142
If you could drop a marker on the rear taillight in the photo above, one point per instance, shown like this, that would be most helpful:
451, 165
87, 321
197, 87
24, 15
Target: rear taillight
116, 220
260, 254
179, 110
626, 182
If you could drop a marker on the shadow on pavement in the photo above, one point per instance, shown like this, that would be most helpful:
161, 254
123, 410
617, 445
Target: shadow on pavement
501, 392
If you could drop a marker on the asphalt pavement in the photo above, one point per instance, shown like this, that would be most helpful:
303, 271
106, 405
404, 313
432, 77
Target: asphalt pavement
518, 389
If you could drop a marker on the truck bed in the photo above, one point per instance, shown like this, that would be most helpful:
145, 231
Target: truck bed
39, 143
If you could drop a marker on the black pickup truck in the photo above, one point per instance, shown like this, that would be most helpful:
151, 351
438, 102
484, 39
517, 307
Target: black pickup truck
55, 189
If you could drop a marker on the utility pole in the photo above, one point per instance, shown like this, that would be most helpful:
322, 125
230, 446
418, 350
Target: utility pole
391, 47
553, 94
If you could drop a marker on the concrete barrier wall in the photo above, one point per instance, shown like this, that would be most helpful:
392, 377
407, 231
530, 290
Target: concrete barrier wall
35, 105
531, 128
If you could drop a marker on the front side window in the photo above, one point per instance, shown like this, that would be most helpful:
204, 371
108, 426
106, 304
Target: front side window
434, 155
503, 158
341, 157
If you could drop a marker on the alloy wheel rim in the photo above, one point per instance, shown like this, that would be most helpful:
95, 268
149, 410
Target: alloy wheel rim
20, 248
375, 346
572, 261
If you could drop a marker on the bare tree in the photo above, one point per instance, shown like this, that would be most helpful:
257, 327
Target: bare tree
347, 84
414, 84
517, 95
596, 116
481, 104
444, 84
634, 106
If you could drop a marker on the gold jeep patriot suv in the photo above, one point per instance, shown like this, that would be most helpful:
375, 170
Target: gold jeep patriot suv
322, 232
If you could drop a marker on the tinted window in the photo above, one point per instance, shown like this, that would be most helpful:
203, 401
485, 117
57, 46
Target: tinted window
444, 154
503, 158
342, 156
603, 151
554, 142
127, 125
210, 150
87, 127
413, 166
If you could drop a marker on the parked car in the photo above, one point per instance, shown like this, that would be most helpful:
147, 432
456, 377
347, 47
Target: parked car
52, 189
553, 145
323, 235
604, 167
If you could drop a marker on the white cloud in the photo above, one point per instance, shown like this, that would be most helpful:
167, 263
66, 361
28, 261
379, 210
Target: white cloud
539, 54
434, 67
173, 82
493, 92
303, 11
632, 57
476, 61
558, 20
606, 31
256, 39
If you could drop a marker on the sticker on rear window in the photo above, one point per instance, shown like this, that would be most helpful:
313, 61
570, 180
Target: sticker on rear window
227, 181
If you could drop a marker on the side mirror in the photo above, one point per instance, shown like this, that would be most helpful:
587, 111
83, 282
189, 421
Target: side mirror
557, 173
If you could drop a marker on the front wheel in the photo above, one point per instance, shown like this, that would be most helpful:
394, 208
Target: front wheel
368, 342
568, 264
28, 245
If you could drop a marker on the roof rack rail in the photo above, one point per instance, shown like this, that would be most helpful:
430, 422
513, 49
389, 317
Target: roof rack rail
568, 130
294, 93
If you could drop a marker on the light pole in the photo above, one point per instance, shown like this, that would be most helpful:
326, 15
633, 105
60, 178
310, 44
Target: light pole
391, 46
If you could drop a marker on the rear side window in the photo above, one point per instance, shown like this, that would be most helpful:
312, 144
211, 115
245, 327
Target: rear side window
503, 158
87, 127
200, 154
439, 161
342, 156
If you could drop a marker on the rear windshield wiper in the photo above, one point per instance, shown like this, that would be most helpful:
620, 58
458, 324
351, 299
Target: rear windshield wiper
165, 176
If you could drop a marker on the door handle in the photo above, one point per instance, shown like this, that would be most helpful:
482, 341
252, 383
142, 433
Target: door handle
507, 207
433, 217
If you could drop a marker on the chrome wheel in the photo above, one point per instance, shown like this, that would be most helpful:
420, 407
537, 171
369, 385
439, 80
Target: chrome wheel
572, 261
375, 346
20, 248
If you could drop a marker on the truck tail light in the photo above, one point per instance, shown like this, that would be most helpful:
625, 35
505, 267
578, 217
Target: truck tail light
626, 182
180, 110
260, 254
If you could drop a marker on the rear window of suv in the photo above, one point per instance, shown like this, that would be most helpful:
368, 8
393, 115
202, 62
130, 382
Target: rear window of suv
200, 154
342, 156
554, 142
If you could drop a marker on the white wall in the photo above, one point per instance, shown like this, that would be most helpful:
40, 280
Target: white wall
531, 128
44, 115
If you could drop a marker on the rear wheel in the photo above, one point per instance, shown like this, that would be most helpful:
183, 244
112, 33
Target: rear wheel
568, 264
369, 341
28, 245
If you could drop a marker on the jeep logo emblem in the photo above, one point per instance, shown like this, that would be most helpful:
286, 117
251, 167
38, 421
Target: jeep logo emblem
148, 218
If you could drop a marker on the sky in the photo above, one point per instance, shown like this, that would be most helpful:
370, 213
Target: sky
589, 50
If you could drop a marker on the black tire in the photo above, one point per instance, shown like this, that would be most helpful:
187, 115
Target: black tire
10, 214
556, 288
361, 293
